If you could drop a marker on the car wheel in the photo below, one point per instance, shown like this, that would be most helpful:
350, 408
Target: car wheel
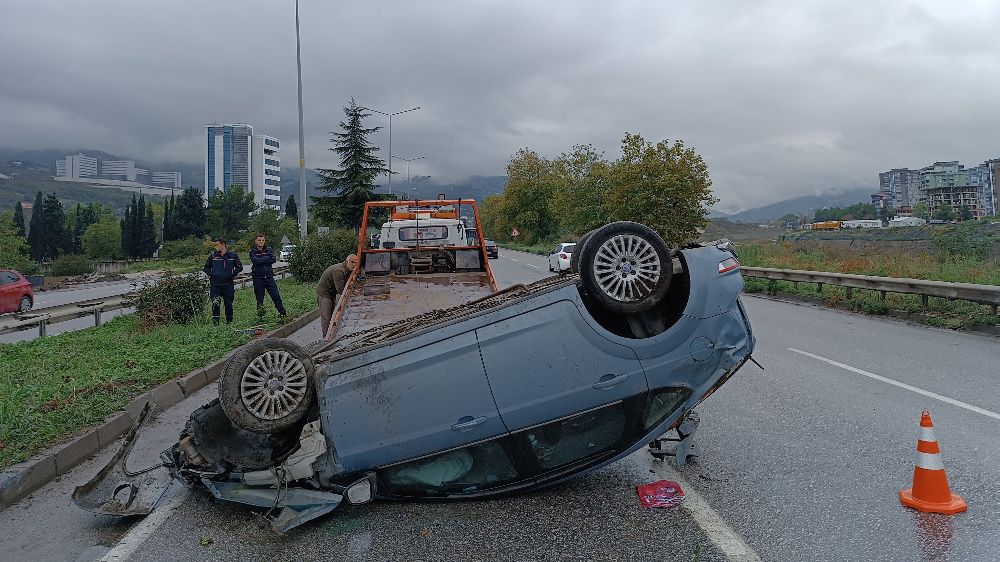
550, 266
574, 258
626, 267
267, 385
24, 305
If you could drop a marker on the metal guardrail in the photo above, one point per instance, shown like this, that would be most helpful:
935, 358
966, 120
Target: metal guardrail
65, 312
982, 294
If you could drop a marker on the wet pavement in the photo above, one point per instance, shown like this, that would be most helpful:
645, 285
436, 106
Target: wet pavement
804, 461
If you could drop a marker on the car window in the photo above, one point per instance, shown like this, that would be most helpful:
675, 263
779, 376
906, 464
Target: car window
578, 437
662, 404
466, 470
556, 251
7, 277
568, 248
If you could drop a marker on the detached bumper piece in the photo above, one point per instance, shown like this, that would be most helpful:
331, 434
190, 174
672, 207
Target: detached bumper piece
117, 491
288, 507
678, 447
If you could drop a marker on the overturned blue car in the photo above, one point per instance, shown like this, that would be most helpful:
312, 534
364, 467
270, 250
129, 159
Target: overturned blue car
505, 392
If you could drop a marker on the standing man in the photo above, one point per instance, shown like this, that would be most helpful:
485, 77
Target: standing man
331, 284
262, 257
222, 267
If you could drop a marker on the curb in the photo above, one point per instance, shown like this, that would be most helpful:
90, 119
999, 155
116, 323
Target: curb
22, 479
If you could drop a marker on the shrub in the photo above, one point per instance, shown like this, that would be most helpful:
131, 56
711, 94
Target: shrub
67, 265
175, 298
177, 249
319, 251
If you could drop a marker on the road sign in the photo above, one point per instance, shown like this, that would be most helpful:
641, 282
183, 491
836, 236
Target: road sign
514, 233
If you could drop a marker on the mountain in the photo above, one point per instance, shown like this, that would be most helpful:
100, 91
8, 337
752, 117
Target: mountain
28, 182
44, 160
473, 187
804, 205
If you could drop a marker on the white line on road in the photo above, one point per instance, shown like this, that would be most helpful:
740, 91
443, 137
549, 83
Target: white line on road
534, 266
927, 393
719, 532
138, 534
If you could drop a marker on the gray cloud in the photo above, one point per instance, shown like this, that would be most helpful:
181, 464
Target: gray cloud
781, 99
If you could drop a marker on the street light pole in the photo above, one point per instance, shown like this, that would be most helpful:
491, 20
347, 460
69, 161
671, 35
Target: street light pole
303, 207
408, 160
389, 115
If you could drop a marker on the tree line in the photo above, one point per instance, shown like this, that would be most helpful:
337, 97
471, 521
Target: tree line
665, 186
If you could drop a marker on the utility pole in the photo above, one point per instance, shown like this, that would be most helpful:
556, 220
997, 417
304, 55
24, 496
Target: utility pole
303, 207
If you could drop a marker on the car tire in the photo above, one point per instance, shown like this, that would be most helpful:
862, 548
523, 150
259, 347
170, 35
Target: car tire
24, 305
626, 267
229, 447
267, 385
574, 258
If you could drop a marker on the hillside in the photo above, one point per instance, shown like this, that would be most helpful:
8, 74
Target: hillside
804, 205
28, 183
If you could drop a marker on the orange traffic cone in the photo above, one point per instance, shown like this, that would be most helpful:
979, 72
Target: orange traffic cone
930, 490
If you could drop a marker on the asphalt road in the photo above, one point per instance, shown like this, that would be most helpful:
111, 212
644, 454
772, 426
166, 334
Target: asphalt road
802, 461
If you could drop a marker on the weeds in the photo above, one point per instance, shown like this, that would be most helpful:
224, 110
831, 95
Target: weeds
53, 387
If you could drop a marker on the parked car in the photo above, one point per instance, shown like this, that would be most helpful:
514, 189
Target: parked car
286, 252
492, 250
521, 389
16, 294
560, 257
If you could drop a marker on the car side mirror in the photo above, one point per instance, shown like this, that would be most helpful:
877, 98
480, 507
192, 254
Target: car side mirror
361, 491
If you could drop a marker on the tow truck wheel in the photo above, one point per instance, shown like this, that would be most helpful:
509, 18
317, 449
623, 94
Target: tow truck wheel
266, 386
625, 266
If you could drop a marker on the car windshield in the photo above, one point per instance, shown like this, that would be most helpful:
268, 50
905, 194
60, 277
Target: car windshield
568, 248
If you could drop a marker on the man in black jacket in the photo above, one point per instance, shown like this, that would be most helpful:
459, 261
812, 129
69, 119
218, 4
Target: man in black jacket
262, 257
222, 266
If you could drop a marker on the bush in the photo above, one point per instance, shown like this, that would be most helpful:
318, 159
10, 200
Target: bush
175, 298
68, 265
185, 248
319, 251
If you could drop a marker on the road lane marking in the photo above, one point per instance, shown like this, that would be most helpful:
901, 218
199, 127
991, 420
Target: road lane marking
534, 266
887, 380
138, 534
715, 527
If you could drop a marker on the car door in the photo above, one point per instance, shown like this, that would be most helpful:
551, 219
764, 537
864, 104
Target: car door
548, 363
6, 293
553, 265
418, 402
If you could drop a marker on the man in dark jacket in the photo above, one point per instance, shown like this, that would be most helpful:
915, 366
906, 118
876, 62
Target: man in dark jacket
331, 283
222, 266
262, 257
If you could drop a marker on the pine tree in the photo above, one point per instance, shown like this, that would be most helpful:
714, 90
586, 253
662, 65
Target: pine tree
130, 229
291, 210
53, 234
35, 229
168, 221
189, 215
353, 183
19, 220
148, 233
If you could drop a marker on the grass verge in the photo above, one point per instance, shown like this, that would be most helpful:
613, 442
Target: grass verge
180, 265
541, 250
51, 388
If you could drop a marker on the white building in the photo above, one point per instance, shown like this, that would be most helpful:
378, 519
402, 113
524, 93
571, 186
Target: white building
166, 179
118, 170
75, 167
236, 156
905, 221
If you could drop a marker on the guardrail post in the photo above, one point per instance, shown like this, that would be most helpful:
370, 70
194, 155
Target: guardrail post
97, 316
883, 294
850, 291
41, 328
923, 300
819, 287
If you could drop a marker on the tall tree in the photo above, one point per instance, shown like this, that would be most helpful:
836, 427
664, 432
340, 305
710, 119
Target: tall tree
18, 220
291, 209
35, 229
965, 213
13, 246
130, 229
189, 215
53, 231
168, 227
353, 183
147, 236
102, 241
229, 211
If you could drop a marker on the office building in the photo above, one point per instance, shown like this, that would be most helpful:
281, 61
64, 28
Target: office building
118, 170
76, 167
236, 156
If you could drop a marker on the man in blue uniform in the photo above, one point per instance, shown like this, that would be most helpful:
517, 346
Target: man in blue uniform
222, 266
262, 257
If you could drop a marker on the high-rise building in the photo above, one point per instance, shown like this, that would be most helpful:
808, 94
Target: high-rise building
75, 167
236, 156
990, 188
901, 186
118, 170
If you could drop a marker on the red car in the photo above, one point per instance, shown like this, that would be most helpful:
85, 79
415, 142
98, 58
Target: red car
15, 292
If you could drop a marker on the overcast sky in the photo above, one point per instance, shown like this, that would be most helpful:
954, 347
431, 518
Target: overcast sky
780, 98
